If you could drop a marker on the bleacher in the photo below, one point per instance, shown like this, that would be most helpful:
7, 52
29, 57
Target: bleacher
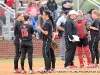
5, 28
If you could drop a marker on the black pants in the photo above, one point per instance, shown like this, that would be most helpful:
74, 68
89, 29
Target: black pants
17, 52
53, 59
83, 42
69, 55
94, 48
26, 47
46, 53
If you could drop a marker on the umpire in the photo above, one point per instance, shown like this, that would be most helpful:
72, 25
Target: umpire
60, 27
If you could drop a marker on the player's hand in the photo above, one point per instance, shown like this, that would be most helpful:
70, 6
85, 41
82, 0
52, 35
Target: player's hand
73, 40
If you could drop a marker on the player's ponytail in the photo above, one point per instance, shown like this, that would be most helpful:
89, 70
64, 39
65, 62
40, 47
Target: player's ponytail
53, 23
40, 18
51, 18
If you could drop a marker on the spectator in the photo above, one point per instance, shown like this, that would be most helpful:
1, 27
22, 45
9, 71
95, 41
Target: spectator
32, 21
32, 7
21, 2
44, 7
2, 15
52, 6
38, 2
9, 2
34, 24
1, 24
67, 5
89, 14
14, 5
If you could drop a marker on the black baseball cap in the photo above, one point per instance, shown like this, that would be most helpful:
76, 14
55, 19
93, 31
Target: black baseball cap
66, 12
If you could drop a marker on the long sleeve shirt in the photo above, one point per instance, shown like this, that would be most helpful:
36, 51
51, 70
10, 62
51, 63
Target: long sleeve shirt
70, 28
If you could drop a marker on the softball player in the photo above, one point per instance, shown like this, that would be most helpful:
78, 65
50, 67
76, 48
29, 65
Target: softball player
25, 33
18, 23
95, 32
47, 39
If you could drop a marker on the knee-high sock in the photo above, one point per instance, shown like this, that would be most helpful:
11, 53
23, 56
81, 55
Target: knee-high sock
88, 54
80, 55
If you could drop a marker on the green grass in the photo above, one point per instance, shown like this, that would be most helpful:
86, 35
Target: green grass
34, 60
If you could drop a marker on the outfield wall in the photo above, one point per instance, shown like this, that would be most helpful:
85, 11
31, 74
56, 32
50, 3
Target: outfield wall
7, 49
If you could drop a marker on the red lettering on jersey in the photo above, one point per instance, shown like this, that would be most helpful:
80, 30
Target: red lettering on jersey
24, 32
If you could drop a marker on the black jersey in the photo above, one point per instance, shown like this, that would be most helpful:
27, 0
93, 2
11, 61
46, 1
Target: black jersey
26, 32
48, 27
96, 23
16, 28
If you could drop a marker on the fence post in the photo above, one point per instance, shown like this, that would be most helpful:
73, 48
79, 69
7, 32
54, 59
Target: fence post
16, 2
78, 5
8, 24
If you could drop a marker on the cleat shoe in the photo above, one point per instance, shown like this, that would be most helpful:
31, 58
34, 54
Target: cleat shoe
23, 72
49, 71
91, 65
17, 71
81, 65
69, 66
32, 72
73, 66
43, 71
98, 65
52, 69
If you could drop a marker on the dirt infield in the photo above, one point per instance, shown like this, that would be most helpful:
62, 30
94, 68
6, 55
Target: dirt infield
6, 68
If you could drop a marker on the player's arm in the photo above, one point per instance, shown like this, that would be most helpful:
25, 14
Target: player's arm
96, 26
46, 29
58, 25
66, 6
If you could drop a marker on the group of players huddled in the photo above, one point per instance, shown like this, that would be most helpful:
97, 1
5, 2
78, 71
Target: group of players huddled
77, 31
